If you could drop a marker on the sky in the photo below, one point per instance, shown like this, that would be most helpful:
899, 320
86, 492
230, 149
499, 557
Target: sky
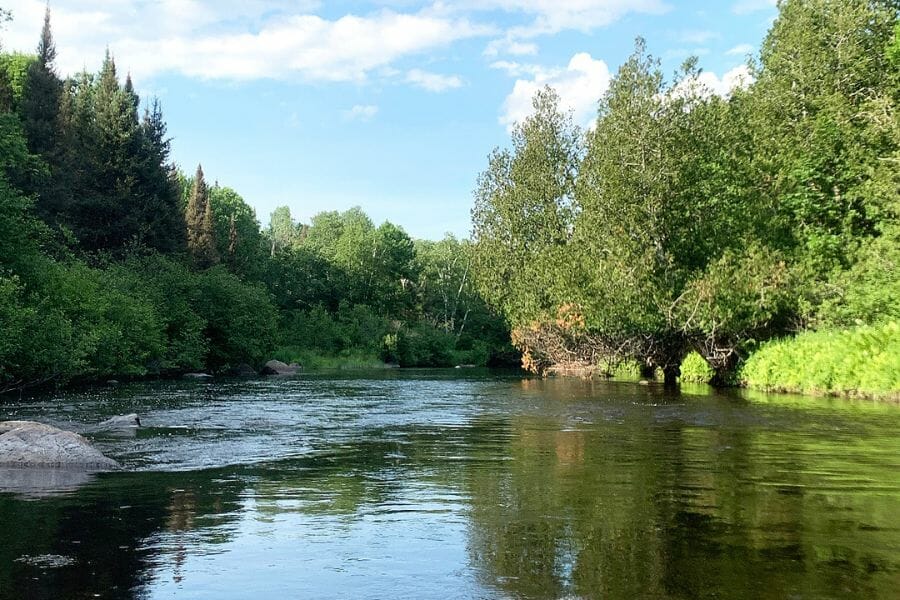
391, 105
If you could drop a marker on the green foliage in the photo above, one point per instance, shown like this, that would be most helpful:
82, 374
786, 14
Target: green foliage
109, 258
241, 322
863, 361
351, 327
700, 223
236, 232
869, 291
421, 346
311, 361
201, 240
524, 212
14, 69
695, 369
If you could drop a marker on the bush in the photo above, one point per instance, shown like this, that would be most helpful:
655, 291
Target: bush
863, 361
354, 328
422, 346
241, 322
695, 369
172, 289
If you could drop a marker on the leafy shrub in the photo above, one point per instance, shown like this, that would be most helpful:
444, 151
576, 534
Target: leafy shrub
695, 369
859, 361
424, 346
241, 321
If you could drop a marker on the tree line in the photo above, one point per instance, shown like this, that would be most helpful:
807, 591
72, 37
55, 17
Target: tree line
115, 263
684, 221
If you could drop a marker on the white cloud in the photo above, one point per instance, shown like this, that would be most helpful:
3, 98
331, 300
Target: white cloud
433, 82
361, 112
711, 84
740, 50
516, 69
547, 17
508, 46
552, 16
742, 7
253, 40
580, 86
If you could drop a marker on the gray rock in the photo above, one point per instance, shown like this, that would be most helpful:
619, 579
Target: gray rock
200, 376
29, 444
121, 421
276, 367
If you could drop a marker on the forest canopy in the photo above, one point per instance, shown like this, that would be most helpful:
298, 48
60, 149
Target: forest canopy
684, 221
114, 263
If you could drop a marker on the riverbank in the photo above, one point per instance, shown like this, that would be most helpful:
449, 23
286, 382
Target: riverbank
861, 362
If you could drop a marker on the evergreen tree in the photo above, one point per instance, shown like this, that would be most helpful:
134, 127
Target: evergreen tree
200, 227
40, 104
163, 218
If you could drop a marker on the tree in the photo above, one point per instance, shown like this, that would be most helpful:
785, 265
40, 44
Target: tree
524, 213
283, 232
821, 127
237, 233
200, 227
163, 220
40, 104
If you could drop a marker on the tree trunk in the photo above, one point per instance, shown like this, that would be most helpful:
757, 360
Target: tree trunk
670, 375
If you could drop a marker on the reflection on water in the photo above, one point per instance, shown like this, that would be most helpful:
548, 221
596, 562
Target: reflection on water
428, 485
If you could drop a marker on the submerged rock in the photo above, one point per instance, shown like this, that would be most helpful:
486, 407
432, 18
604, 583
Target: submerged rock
276, 367
28, 444
200, 376
121, 421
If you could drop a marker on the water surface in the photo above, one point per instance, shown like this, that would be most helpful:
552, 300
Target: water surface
441, 484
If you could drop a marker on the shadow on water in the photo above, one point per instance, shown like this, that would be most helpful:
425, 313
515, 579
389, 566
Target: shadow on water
437, 484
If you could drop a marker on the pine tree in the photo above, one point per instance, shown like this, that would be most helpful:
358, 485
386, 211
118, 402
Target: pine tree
39, 110
199, 219
163, 217
40, 104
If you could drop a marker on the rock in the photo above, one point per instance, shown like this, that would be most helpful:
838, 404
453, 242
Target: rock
243, 370
199, 376
116, 422
30, 444
276, 367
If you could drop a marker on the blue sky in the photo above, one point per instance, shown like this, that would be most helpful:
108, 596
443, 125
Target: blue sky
390, 105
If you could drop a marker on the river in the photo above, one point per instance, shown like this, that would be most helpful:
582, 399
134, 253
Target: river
459, 484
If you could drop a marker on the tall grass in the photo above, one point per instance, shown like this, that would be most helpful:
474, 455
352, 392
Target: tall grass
862, 361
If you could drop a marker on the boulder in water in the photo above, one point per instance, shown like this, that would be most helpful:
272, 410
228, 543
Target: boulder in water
29, 444
198, 376
276, 367
121, 421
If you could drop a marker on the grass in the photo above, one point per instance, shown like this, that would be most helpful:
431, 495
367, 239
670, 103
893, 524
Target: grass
858, 362
313, 361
